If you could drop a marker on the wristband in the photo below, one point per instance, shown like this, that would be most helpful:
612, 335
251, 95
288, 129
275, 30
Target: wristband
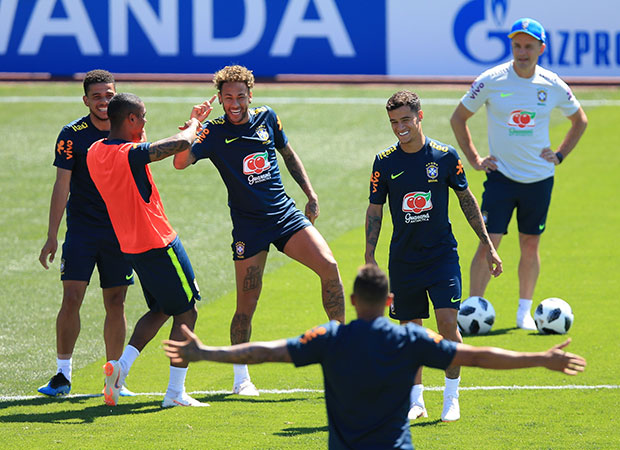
560, 157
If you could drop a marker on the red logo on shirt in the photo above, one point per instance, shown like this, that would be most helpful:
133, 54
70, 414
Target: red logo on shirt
256, 163
416, 202
522, 119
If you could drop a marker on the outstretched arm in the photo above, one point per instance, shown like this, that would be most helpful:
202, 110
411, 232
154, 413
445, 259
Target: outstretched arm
298, 172
374, 217
249, 353
470, 208
498, 358
579, 122
461, 131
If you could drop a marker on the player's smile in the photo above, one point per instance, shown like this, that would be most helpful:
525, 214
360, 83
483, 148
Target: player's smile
98, 98
235, 97
406, 124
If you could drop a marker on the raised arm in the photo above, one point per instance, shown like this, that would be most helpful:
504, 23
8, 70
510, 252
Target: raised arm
579, 122
458, 121
498, 358
472, 213
58, 203
184, 139
374, 217
249, 353
185, 158
298, 172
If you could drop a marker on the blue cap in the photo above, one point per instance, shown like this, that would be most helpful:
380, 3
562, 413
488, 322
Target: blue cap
528, 26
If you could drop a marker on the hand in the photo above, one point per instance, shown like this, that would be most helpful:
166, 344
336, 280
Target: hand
494, 262
549, 155
185, 351
312, 209
569, 363
200, 112
488, 164
49, 249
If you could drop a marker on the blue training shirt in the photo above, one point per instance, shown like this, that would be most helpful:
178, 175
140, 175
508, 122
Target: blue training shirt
368, 371
416, 185
85, 207
245, 156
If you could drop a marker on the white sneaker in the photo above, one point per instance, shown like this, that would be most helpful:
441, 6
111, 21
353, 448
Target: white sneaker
181, 399
246, 388
124, 392
526, 322
417, 411
114, 380
451, 410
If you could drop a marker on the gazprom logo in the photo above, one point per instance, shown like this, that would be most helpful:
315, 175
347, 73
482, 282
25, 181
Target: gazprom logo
482, 20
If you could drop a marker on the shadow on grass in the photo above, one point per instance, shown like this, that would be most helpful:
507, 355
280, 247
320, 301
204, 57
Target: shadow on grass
77, 415
428, 423
491, 333
298, 431
230, 398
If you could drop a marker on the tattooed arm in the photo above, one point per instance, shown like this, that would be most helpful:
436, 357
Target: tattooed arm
470, 208
249, 353
374, 216
298, 172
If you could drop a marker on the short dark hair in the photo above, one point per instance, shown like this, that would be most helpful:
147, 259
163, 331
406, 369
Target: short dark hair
121, 106
404, 98
233, 74
97, 76
371, 284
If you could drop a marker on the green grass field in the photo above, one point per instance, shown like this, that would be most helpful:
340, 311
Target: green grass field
337, 139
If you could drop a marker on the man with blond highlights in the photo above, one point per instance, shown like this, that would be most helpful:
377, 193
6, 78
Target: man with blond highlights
242, 145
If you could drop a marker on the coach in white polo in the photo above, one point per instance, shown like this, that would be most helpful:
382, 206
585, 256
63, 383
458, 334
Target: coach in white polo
519, 96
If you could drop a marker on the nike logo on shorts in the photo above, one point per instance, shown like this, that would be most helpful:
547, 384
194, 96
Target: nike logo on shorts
228, 141
541, 226
129, 277
396, 175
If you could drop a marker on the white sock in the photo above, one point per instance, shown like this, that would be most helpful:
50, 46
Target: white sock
452, 387
241, 373
64, 367
128, 357
416, 395
525, 307
176, 384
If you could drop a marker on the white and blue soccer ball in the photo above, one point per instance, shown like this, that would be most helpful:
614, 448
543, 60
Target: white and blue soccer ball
553, 316
476, 316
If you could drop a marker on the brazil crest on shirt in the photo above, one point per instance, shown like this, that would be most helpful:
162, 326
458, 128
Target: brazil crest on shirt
416, 186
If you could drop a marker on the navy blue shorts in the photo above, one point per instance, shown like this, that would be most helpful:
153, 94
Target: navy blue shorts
167, 278
84, 249
502, 195
253, 236
412, 287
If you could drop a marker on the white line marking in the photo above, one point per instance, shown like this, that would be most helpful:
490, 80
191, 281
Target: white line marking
17, 398
276, 100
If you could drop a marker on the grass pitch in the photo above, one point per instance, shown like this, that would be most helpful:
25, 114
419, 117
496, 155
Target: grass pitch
337, 138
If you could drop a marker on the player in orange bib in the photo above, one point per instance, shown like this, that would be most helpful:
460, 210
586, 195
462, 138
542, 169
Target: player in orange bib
119, 168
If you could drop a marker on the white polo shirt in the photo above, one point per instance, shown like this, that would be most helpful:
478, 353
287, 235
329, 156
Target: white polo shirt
518, 112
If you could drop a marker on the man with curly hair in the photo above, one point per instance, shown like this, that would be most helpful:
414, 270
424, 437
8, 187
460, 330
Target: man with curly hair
242, 145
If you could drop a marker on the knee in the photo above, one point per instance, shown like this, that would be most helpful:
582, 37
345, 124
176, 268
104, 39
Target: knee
188, 318
329, 268
71, 300
448, 327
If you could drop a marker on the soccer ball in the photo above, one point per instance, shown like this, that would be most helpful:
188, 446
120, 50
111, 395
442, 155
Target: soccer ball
553, 316
476, 316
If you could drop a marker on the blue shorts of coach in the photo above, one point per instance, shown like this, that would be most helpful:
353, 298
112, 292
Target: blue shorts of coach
502, 195
413, 286
167, 278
